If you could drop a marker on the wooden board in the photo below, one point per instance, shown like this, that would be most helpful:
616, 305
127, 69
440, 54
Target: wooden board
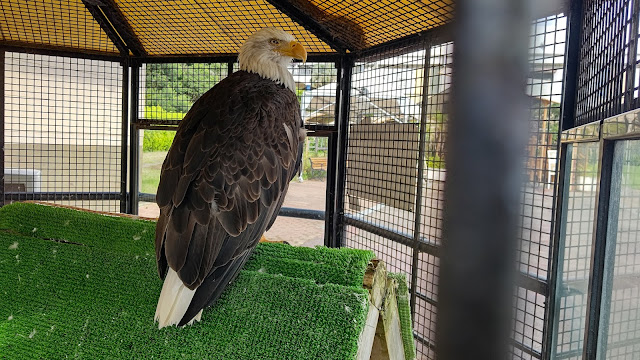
381, 338
375, 281
391, 320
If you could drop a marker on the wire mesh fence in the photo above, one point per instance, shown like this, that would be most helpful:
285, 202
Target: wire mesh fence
63, 121
575, 249
620, 314
608, 78
168, 90
392, 95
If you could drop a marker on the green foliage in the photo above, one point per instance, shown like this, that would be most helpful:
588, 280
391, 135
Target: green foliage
157, 112
86, 285
315, 146
157, 140
435, 162
404, 310
175, 87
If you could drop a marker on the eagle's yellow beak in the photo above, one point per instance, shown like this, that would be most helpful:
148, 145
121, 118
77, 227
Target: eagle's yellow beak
294, 49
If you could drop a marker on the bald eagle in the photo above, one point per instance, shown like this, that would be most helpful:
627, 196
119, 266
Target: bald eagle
226, 175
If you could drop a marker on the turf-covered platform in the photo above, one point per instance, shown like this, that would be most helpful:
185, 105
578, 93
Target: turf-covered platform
80, 284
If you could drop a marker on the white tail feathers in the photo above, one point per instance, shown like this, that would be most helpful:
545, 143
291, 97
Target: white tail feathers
174, 301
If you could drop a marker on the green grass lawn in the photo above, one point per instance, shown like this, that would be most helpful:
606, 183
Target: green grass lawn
150, 170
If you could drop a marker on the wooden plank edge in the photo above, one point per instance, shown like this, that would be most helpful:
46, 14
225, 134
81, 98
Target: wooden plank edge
375, 280
106, 213
391, 320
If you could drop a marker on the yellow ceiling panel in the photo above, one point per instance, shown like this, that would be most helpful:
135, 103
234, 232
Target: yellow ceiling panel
209, 27
380, 21
192, 27
53, 23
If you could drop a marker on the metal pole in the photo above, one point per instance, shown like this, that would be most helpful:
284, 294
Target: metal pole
557, 252
598, 250
124, 136
332, 162
572, 55
418, 206
2, 134
567, 121
609, 254
229, 68
346, 66
486, 144
134, 153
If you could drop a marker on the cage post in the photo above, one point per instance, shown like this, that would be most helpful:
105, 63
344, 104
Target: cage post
555, 266
418, 207
487, 139
631, 56
329, 236
229, 68
2, 95
346, 70
134, 140
125, 135
332, 162
572, 56
567, 121
598, 249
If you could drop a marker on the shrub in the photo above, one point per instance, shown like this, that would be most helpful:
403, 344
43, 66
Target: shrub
435, 162
157, 140
158, 113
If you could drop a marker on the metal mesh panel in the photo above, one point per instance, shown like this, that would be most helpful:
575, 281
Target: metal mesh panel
575, 248
376, 188
607, 60
167, 90
544, 88
529, 321
396, 256
436, 117
63, 120
619, 336
188, 27
424, 323
318, 100
63, 23
382, 155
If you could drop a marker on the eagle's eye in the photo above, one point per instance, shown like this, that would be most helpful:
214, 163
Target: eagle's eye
274, 42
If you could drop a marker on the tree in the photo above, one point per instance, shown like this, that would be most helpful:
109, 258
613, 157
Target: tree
175, 87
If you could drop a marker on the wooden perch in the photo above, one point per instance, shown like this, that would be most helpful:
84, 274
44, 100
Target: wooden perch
381, 337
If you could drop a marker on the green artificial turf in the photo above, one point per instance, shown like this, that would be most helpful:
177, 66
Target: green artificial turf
404, 311
76, 284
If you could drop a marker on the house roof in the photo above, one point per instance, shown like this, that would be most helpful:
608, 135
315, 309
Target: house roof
161, 28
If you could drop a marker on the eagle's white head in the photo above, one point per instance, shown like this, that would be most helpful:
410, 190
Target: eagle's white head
268, 52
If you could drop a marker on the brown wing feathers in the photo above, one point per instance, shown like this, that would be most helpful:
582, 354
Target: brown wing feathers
223, 181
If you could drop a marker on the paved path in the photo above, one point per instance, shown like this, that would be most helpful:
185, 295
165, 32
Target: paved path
309, 194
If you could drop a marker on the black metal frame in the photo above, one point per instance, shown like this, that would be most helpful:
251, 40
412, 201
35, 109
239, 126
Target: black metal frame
599, 247
134, 141
334, 217
125, 134
590, 133
2, 69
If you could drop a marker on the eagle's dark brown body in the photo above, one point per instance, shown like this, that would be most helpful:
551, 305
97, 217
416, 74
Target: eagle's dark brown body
224, 181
